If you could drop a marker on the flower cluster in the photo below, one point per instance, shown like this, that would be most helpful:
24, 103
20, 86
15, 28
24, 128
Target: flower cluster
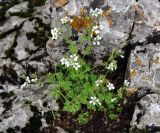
66, 20
71, 61
97, 12
96, 31
110, 86
126, 83
55, 33
29, 81
94, 101
98, 82
112, 66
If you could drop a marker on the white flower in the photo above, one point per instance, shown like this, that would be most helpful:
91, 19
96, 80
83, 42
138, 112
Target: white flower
71, 61
98, 82
126, 83
76, 66
96, 40
63, 60
74, 57
55, 33
94, 101
96, 29
110, 86
100, 27
29, 81
34, 80
122, 56
97, 12
112, 66
66, 20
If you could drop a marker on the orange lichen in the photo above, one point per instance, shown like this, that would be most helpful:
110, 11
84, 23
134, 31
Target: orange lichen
110, 22
107, 12
60, 3
83, 11
133, 73
79, 23
138, 61
156, 60
131, 91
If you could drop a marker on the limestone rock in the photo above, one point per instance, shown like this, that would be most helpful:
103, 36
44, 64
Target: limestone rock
146, 20
6, 43
20, 8
56, 50
146, 114
19, 112
144, 67
10, 24
23, 42
115, 36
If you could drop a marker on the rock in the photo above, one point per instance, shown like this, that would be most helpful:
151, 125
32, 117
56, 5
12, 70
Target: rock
11, 24
144, 66
20, 8
48, 11
23, 42
56, 50
6, 43
19, 100
146, 20
113, 36
146, 114
60, 130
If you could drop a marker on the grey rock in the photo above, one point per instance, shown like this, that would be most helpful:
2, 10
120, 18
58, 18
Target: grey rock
114, 36
20, 8
6, 43
23, 42
11, 23
146, 112
19, 112
147, 19
56, 50
143, 67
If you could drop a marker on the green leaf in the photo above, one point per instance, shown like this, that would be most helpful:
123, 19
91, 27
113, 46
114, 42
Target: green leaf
87, 50
120, 93
71, 107
113, 116
55, 93
73, 48
83, 118
59, 75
